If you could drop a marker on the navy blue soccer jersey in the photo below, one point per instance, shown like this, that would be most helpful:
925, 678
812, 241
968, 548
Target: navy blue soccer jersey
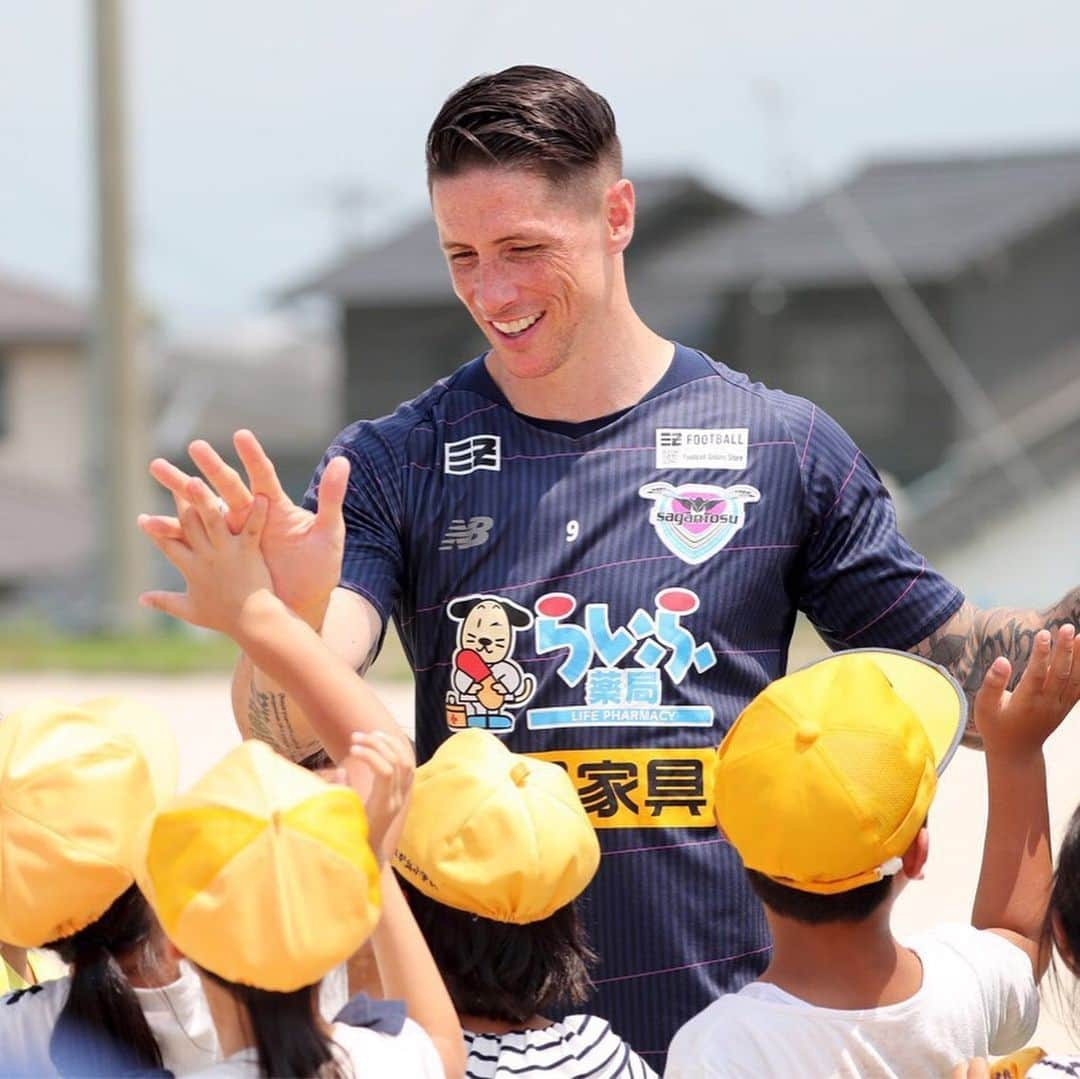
610, 597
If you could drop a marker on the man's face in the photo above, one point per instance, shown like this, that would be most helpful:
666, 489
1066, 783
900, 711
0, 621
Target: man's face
533, 262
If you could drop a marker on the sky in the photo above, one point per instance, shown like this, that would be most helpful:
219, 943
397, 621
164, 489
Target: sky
265, 134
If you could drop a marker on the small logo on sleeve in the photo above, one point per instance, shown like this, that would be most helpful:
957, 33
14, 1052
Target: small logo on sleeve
475, 454
463, 534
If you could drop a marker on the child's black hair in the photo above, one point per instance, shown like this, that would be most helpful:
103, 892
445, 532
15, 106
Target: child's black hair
102, 1030
810, 908
502, 971
285, 1026
1061, 929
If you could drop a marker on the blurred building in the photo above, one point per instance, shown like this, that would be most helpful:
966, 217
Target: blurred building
267, 374
47, 521
989, 246
282, 382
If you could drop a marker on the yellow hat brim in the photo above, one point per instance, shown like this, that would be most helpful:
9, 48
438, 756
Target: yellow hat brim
932, 694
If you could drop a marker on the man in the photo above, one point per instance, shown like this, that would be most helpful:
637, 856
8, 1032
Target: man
594, 542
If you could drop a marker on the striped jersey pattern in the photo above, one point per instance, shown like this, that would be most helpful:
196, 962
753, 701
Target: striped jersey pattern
610, 597
1056, 1067
579, 1047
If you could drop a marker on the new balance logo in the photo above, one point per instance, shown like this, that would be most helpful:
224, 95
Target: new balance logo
472, 455
463, 534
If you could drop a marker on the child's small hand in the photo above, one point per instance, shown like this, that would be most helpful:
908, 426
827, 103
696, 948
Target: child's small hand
1019, 723
221, 570
380, 768
976, 1068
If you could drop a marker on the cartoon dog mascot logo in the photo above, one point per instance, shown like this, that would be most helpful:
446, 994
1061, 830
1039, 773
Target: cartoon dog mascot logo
485, 682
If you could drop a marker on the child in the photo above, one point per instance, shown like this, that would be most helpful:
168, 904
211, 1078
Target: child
286, 911
1063, 928
77, 786
823, 785
495, 850
262, 875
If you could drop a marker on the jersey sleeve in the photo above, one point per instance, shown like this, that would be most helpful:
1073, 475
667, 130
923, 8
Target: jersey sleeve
372, 563
862, 584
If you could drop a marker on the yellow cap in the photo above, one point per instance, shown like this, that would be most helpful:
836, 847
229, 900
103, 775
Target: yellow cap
495, 833
262, 873
825, 779
78, 785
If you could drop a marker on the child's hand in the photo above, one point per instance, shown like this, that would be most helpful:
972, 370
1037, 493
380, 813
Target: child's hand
380, 768
221, 570
1019, 723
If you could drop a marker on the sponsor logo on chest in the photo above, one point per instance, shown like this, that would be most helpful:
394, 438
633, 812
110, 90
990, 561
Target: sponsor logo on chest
696, 520
702, 447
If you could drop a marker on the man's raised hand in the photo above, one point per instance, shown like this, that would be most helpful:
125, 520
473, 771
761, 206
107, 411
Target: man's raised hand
302, 549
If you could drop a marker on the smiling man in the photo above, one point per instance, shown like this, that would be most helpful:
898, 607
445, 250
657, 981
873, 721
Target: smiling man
594, 541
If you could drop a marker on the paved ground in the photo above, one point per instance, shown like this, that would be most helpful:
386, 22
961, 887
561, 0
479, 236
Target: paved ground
198, 708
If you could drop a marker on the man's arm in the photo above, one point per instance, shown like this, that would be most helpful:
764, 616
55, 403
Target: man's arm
263, 710
969, 642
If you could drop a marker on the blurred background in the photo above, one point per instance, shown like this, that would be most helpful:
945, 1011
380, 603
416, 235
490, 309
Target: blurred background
214, 215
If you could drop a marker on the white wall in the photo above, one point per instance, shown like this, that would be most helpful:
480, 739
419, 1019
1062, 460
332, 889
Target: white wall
46, 405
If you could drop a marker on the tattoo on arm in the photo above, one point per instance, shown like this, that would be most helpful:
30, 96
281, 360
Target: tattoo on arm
969, 642
268, 719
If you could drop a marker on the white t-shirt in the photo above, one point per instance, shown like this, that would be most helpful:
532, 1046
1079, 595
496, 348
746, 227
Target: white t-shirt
334, 992
978, 998
177, 1015
396, 1056
581, 1045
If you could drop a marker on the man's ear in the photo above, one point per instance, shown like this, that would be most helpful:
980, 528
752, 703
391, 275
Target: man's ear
619, 203
915, 856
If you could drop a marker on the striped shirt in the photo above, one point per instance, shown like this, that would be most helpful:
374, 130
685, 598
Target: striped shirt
578, 1047
1055, 1067
610, 596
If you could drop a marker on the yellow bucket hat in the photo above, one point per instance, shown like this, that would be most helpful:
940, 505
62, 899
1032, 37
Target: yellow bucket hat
828, 774
495, 833
78, 786
262, 873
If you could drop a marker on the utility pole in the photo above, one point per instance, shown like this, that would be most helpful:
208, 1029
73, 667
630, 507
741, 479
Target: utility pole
118, 418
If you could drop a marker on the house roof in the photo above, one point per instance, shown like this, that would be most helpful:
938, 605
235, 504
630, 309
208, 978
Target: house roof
287, 391
934, 216
410, 268
30, 314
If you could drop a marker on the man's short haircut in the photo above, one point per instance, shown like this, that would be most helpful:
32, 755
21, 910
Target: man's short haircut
524, 117
810, 908
503, 971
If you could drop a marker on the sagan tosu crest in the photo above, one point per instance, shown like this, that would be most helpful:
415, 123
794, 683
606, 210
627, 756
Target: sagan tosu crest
695, 520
